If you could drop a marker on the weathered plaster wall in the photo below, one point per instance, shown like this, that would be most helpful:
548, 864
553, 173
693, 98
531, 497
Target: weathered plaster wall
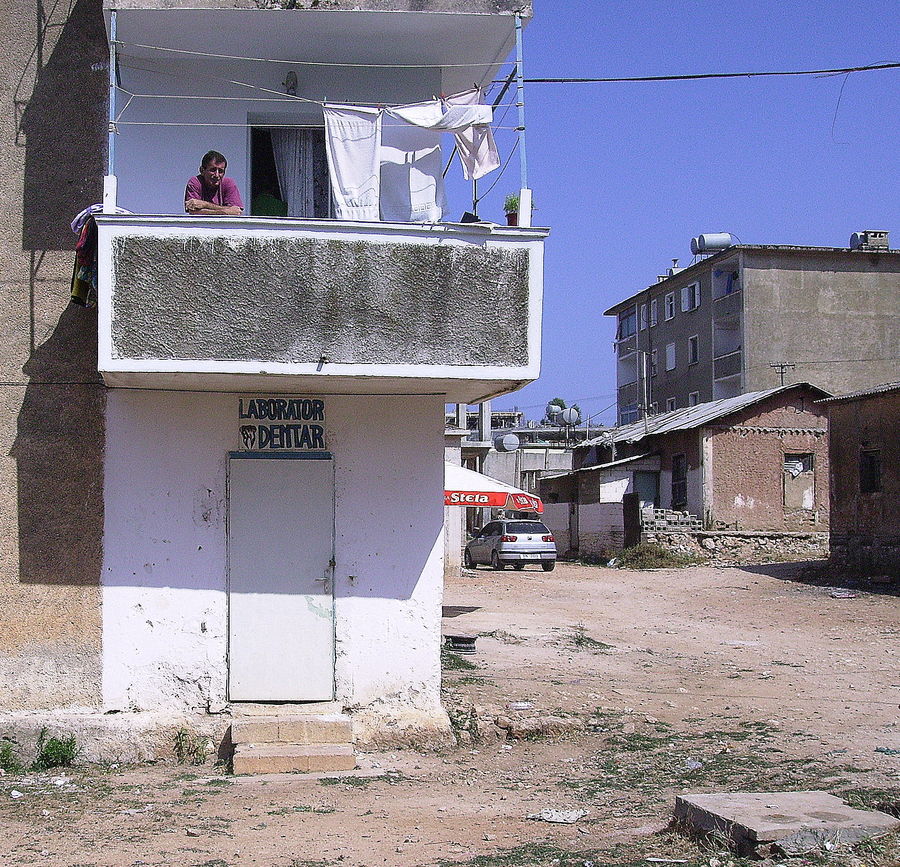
164, 565
351, 301
814, 309
865, 527
51, 401
748, 466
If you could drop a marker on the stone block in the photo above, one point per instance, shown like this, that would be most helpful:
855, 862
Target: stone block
752, 819
254, 731
292, 758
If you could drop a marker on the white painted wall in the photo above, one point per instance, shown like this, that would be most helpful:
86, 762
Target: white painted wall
164, 572
153, 162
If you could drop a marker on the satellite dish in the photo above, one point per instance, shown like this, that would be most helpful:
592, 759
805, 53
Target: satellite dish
506, 443
569, 416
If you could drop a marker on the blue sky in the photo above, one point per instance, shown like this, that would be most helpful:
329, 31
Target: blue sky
626, 174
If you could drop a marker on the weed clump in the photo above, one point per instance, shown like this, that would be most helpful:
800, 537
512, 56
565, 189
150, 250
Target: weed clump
55, 752
9, 760
454, 662
649, 555
191, 747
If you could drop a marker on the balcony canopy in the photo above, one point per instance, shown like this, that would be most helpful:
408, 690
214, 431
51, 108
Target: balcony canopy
468, 46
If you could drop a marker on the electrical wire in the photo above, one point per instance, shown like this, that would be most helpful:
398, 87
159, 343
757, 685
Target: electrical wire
697, 76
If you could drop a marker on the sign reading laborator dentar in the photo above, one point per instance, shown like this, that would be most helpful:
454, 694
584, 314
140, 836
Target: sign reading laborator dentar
282, 424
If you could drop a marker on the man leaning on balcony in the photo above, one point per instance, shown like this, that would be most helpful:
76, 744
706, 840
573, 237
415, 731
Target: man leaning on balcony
210, 193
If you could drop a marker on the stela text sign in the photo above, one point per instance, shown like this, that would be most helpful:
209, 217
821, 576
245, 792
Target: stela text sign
295, 424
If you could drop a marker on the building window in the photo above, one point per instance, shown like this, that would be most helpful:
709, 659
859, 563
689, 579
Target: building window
628, 414
693, 398
679, 482
627, 323
670, 356
669, 304
690, 297
642, 317
870, 471
799, 482
654, 362
693, 349
671, 404
654, 312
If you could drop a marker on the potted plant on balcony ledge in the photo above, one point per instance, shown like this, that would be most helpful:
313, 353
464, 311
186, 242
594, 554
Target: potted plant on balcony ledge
511, 207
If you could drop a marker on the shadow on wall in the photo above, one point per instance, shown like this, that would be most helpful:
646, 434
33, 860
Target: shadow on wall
63, 126
59, 457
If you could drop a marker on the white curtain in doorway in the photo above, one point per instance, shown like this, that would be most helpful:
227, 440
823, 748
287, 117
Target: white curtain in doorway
295, 164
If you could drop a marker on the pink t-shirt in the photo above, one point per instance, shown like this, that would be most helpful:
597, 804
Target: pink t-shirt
226, 195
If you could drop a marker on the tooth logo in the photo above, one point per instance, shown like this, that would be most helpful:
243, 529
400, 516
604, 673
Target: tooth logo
248, 435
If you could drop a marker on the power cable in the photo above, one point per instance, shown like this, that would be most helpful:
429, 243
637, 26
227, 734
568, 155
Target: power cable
697, 76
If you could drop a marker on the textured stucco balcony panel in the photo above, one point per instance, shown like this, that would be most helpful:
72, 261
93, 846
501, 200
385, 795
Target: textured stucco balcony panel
318, 305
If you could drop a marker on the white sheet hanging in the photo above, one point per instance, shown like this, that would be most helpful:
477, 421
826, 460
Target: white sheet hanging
412, 186
353, 142
477, 149
394, 170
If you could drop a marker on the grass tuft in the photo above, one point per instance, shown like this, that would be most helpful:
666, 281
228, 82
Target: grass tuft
55, 752
648, 555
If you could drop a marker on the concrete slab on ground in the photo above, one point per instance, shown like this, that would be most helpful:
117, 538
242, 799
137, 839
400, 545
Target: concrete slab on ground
802, 821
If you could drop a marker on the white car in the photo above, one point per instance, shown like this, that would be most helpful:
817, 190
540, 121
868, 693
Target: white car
512, 541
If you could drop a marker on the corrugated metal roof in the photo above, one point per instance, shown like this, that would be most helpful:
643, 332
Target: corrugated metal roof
878, 389
690, 416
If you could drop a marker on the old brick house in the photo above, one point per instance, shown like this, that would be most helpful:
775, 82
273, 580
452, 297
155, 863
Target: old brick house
754, 463
864, 453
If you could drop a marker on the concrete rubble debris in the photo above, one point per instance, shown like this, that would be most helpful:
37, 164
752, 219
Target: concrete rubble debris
558, 817
752, 820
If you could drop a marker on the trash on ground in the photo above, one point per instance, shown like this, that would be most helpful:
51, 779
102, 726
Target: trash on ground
558, 817
520, 705
844, 594
887, 751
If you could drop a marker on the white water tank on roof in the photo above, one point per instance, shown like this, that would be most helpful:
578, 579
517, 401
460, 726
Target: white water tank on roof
711, 242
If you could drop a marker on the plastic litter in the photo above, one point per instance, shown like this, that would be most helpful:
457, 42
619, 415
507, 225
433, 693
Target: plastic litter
558, 817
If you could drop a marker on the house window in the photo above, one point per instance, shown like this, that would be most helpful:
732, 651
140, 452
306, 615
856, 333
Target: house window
679, 482
693, 349
671, 404
799, 482
654, 362
670, 356
693, 398
669, 304
654, 312
690, 297
627, 323
642, 317
870, 471
628, 414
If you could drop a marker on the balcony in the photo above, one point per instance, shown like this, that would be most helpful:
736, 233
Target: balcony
728, 365
319, 306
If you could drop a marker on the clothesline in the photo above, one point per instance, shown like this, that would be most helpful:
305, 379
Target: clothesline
251, 125
485, 65
277, 93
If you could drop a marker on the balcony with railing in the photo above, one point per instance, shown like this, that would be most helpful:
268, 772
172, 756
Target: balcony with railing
401, 298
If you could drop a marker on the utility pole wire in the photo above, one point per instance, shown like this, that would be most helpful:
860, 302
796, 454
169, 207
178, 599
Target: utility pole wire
703, 75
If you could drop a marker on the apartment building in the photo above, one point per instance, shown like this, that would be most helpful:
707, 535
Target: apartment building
223, 484
749, 317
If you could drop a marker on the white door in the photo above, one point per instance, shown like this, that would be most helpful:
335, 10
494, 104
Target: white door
280, 599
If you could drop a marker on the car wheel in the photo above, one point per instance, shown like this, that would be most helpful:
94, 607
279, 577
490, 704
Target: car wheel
495, 562
549, 565
468, 562
518, 566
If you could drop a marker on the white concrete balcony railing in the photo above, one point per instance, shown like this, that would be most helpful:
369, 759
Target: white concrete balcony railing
290, 305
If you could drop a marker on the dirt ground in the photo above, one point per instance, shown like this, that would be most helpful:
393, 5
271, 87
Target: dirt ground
626, 688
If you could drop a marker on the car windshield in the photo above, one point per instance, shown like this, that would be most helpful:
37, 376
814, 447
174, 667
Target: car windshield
526, 527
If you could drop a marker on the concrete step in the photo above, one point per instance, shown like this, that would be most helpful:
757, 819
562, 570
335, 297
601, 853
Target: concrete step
254, 709
287, 758
306, 729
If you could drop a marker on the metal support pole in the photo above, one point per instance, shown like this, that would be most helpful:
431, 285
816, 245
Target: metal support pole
109, 181
520, 102
111, 155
